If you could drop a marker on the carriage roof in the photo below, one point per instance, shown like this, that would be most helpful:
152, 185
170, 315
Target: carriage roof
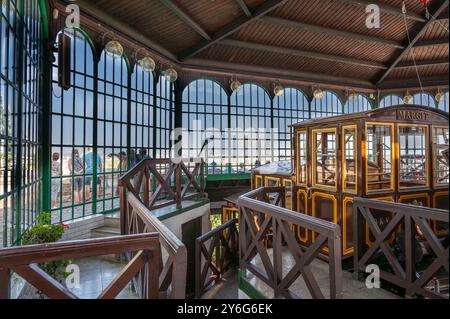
392, 113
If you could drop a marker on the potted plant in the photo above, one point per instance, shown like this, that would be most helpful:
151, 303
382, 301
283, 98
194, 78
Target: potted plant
46, 232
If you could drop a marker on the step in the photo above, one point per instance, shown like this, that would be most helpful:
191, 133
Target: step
112, 222
105, 231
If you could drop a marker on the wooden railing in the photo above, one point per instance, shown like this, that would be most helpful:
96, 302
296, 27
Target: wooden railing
172, 269
407, 242
24, 261
161, 182
216, 252
258, 217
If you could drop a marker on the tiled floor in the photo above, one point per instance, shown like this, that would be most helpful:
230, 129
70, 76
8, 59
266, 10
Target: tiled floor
351, 287
95, 275
225, 288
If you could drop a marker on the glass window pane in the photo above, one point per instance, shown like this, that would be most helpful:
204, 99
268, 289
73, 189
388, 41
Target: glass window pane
379, 157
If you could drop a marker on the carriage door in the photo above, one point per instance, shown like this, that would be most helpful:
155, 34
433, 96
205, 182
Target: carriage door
378, 159
300, 198
324, 175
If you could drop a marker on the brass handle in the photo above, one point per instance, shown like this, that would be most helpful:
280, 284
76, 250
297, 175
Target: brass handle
309, 192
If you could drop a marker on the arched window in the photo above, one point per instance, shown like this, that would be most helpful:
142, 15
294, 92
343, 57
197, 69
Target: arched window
111, 131
391, 100
424, 99
290, 108
250, 124
357, 103
328, 105
72, 132
164, 119
443, 104
142, 114
205, 114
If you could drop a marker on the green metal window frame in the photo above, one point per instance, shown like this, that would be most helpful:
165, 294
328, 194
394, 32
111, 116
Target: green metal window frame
390, 100
142, 119
329, 105
290, 108
72, 127
164, 117
206, 101
20, 116
357, 103
250, 107
444, 104
112, 130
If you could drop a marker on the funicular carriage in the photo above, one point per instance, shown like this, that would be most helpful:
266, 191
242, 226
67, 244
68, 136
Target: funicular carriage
398, 154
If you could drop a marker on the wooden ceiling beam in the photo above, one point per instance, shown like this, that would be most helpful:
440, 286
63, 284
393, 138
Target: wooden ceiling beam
422, 63
397, 11
308, 78
99, 14
244, 7
186, 18
435, 81
232, 27
443, 6
429, 43
301, 53
329, 31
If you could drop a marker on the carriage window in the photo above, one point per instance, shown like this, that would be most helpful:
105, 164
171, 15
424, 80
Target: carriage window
324, 167
301, 157
379, 157
349, 159
441, 155
412, 161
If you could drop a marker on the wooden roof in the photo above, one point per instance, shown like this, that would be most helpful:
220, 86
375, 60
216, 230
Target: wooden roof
327, 38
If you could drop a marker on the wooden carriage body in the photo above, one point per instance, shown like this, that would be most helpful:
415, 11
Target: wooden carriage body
397, 154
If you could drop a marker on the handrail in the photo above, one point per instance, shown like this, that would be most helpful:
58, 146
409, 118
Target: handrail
23, 260
215, 252
173, 270
417, 227
154, 188
257, 218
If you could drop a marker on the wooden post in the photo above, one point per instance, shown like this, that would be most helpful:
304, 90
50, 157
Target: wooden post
178, 185
202, 179
4, 283
198, 269
123, 209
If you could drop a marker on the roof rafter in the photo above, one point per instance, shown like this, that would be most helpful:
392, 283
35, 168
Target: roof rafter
232, 27
440, 80
256, 70
414, 39
186, 18
387, 9
301, 53
330, 31
422, 63
244, 7
429, 43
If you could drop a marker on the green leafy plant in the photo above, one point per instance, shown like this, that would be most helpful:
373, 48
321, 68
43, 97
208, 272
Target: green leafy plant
45, 232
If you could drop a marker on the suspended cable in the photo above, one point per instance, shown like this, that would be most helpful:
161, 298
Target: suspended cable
409, 50
429, 16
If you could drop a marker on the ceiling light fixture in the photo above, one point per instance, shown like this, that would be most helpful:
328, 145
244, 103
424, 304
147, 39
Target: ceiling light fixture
146, 63
235, 85
439, 97
408, 98
318, 93
170, 74
113, 48
278, 89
